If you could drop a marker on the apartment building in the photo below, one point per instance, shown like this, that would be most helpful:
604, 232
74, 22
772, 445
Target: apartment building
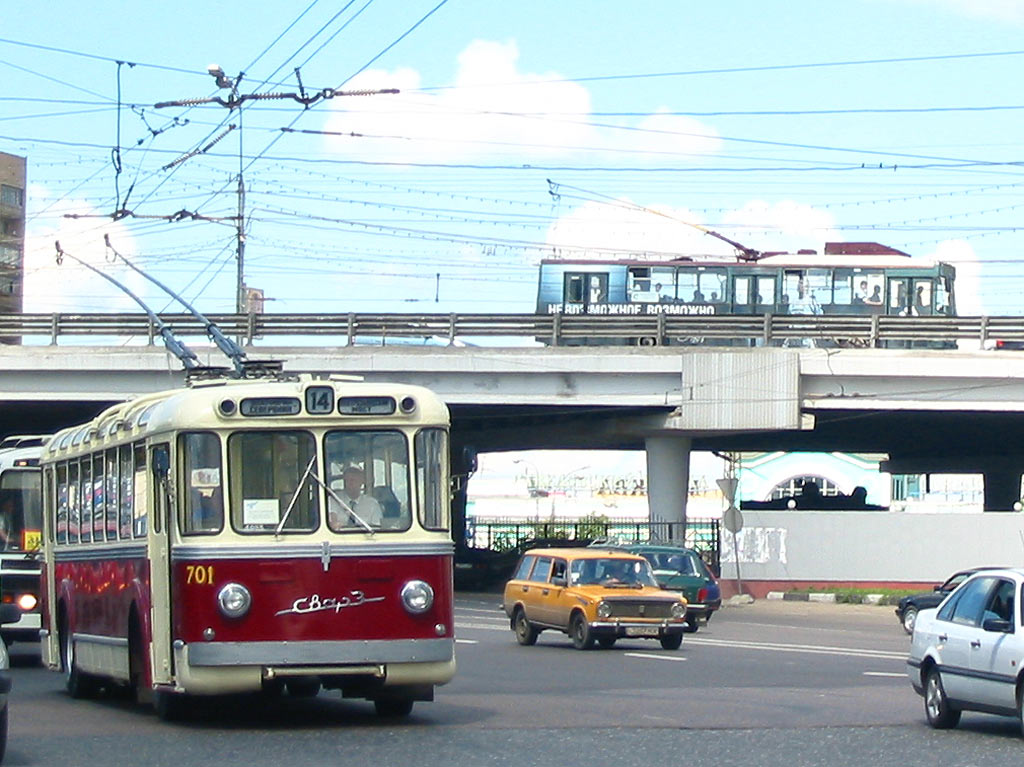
12, 232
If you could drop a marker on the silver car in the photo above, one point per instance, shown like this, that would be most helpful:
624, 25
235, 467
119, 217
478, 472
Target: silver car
968, 653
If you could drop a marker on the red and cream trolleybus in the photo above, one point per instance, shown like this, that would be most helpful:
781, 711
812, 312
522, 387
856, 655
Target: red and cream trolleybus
247, 535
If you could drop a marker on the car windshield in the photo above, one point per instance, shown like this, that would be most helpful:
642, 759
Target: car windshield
612, 572
681, 563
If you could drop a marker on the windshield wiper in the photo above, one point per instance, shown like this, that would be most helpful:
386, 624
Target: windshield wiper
295, 495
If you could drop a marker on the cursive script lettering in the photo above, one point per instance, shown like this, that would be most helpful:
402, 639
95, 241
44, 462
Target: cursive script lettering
314, 603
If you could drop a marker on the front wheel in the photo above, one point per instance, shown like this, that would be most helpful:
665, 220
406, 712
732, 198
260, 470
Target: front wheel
941, 715
526, 634
671, 641
582, 637
909, 619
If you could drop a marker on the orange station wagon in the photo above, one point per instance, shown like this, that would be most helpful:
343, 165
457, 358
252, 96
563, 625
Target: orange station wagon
593, 595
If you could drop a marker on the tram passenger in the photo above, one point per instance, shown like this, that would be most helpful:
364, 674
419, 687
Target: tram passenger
362, 505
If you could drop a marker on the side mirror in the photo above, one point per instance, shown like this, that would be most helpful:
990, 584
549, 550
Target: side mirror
997, 625
469, 459
559, 582
9, 613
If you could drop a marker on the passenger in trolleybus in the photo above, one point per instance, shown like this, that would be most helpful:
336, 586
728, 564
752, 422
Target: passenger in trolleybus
352, 500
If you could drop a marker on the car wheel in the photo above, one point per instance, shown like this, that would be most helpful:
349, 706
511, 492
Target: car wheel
393, 708
526, 634
582, 638
909, 619
606, 642
78, 684
671, 641
941, 715
691, 625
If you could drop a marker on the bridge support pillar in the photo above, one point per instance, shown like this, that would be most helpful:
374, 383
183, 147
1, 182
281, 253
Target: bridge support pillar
1002, 488
668, 481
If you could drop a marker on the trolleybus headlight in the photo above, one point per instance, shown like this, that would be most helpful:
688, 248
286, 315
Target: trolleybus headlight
234, 600
678, 610
27, 602
417, 597
408, 404
227, 407
604, 610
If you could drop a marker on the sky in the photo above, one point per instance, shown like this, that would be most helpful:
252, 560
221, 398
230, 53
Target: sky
518, 129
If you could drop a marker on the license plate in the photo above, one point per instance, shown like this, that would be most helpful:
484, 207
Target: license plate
641, 631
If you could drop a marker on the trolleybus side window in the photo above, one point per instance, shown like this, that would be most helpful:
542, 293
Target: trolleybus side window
99, 508
203, 502
73, 502
368, 472
110, 493
140, 502
127, 480
431, 447
61, 524
85, 502
49, 507
271, 479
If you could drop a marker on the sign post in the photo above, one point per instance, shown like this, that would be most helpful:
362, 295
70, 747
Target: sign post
732, 519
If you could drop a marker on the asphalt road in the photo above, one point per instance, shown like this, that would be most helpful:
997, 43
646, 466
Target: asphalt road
774, 683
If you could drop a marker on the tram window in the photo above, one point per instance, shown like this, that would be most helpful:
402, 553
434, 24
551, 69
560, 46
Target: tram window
574, 288
431, 446
687, 289
711, 286
639, 289
663, 284
806, 289
126, 477
922, 297
868, 288
368, 473
766, 290
85, 505
140, 507
943, 291
742, 293
270, 475
842, 287
73, 502
110, 493
203, 505
898, 295
62, 504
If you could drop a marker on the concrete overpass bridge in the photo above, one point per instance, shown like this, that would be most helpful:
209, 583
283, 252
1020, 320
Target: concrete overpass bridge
929, 410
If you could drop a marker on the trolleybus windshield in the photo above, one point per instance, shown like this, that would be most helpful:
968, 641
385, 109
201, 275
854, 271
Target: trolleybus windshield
20, 510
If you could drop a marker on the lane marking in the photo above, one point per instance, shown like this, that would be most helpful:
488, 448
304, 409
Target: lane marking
467, 641
798, 648
886, 674
652, 656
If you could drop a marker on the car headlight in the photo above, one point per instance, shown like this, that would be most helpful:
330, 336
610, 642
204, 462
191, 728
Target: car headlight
417, 597
603, 610
234, 600
678, 610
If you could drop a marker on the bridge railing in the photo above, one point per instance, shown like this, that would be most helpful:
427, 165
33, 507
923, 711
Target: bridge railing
550, 329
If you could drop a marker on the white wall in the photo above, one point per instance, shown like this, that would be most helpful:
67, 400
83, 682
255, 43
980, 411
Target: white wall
870, 546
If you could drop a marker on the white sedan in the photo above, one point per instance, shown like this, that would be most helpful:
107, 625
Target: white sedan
968, 653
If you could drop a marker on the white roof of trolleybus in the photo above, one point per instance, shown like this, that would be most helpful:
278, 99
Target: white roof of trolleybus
196, 407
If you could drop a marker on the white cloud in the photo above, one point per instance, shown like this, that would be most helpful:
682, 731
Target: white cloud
69, 286
496, 110
604, 229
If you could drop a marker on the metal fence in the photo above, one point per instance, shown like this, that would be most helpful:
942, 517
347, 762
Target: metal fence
499, 535
556, 330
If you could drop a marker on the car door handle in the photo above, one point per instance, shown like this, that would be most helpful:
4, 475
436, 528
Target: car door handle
545, 592
525, 589
942, 637
975, 643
